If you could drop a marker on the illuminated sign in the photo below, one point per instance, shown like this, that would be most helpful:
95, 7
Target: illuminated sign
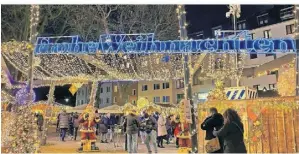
145, 43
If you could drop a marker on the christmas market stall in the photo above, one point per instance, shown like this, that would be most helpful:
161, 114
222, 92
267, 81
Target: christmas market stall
271, 124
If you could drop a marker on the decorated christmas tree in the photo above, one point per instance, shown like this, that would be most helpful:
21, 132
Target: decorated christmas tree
23, 134
287, 80
218, 93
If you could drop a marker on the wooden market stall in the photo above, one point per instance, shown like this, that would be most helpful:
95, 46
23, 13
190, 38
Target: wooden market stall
271, 124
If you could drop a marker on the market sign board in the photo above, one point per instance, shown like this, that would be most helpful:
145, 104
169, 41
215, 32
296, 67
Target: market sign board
146, 44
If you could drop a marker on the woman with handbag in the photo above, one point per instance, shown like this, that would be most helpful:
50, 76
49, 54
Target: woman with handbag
232, 133
214, 121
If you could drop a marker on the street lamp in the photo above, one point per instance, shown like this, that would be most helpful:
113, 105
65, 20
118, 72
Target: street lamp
67, 100
234, 11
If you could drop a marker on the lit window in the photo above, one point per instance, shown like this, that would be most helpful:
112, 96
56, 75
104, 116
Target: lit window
263, 19
166, 85
179, 83
115, 88
156, 86
114, 99
267, 34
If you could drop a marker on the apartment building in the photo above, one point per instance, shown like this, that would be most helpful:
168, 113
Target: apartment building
104, 94
260, 71
125, 91
157, 91
83, 95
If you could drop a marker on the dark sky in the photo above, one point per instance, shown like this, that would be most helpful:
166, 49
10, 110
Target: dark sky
199, 17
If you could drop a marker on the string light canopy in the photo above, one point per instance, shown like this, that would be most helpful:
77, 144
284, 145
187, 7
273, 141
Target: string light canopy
58, 67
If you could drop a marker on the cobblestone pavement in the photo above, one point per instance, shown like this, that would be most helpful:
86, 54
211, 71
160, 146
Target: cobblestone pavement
54, 145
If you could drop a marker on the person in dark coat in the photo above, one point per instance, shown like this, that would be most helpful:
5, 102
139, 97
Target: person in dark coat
211, 123
103, 129
76, 122
232, 133
132, 131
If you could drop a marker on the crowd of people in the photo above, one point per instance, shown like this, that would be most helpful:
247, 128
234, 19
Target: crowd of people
68, 123
155, 129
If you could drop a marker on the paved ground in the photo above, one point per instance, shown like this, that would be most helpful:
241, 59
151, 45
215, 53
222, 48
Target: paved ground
54, 145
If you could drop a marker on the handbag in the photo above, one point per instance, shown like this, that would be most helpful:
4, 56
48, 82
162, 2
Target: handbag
212, 145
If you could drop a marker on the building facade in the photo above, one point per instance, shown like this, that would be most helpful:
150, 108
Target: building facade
83, 95
104, 95
125, 91
157, 91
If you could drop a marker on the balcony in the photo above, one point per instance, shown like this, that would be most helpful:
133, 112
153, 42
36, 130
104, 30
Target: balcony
261, 80
287, 13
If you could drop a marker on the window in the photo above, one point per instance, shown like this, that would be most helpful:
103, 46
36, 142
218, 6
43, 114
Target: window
218, 63
82, 92
256, 87
134, 92
290, 29
134, 102
252, 36
82, 102
101, 90
101, 100
217, 32
144, 87
263, 19
156, 86
157, 99
108, 89
166, 99
179, 97
275, 73
253, 55
166, 85
272, 86
78, 102
241, 25
267, 34
115, 89
107, 101
114, 99
179, 83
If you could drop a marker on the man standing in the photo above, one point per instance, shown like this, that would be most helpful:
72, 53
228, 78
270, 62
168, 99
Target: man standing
149, 125
132, 131
214, 121
63, 124
141, 130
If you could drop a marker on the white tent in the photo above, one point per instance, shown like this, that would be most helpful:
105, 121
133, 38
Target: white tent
111, 109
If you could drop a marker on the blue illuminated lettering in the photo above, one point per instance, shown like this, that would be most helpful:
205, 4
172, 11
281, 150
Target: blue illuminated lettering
145, 43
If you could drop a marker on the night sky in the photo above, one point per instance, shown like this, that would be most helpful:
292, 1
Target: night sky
199, 17
204, 17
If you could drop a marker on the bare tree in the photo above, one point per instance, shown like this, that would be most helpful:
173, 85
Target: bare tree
158, 19
15, 22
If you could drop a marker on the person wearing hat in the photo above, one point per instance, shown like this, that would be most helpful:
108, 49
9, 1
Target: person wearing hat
132, 131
